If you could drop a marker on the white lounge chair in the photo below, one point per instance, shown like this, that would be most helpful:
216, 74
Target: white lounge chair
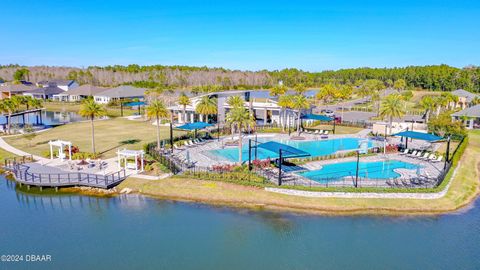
431, 157
425, 155
325, 132
439, 159
413, 153
419, 154
317, 131
405, 152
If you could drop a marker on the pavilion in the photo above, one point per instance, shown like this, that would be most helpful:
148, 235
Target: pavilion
61, 146
135, 154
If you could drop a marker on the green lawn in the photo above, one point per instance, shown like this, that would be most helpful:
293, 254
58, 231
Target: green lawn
464, 188
75, 107
109, 135
339, 129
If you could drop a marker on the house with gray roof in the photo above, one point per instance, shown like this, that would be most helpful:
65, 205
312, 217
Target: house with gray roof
9, 89
465, 98
62, 84
119, 93
45, 92
471, 116
83, 91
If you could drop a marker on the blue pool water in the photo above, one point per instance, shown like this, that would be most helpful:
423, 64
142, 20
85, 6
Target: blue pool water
314, 148
372, 170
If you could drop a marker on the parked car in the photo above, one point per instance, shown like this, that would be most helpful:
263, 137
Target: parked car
329, 113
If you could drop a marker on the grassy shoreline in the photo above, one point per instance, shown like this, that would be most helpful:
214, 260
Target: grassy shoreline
463, 190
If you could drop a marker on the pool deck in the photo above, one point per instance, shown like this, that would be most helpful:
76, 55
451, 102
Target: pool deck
201, 156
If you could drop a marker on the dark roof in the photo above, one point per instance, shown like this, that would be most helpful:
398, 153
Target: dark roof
473, 111
57, 82
419, 136
122, 91
464, 93
48, 91
86, 90
16, 88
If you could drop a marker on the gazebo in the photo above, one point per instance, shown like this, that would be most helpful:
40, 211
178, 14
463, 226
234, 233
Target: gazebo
126, 154
61, 146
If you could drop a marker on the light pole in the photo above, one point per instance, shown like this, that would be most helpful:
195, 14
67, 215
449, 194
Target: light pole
447, 154
356, 173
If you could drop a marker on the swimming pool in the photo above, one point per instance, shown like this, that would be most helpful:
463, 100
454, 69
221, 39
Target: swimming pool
314, 148
373, 170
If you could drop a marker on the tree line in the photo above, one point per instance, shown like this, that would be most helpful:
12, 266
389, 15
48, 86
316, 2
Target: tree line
435, 77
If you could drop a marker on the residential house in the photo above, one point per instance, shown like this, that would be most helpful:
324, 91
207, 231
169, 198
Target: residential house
44, 92
264, 108
465, 98
119, 93
66, 85
9, 89
470, 116
83, 92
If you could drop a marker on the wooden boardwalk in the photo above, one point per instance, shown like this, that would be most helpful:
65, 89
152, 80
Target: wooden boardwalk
66, 179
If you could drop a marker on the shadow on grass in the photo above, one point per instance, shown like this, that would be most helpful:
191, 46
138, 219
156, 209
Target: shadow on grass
121, 143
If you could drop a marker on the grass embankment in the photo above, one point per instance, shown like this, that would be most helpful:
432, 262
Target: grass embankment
109, 135
464, 188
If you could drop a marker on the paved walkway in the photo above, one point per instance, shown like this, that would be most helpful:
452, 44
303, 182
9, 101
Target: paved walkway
7, 147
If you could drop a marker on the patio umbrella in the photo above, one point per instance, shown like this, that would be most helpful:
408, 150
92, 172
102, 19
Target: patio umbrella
82, 162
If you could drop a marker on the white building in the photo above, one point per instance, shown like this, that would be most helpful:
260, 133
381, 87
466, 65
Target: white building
265, 109
119, 93
84, 91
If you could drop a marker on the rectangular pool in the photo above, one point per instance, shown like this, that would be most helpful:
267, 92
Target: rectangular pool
372, 170
314, 148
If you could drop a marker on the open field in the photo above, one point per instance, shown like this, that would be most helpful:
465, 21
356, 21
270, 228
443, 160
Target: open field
109, 135
464, 188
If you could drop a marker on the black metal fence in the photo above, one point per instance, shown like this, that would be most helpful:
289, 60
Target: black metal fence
23, 176
178, 165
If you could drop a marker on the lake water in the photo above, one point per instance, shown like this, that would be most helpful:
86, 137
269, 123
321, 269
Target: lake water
134, 232
49, 118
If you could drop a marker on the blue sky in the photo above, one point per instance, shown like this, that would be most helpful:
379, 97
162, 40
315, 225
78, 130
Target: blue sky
247, 35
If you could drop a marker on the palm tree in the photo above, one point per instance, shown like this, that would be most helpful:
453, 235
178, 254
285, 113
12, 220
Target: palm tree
300, 89
427, 103
184, 101
90, 109
157, 109
206, 106
392, 106
475, 100
299, 102
284, 102
440, 102
9, 106
240, 117
235, 101
278, 90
